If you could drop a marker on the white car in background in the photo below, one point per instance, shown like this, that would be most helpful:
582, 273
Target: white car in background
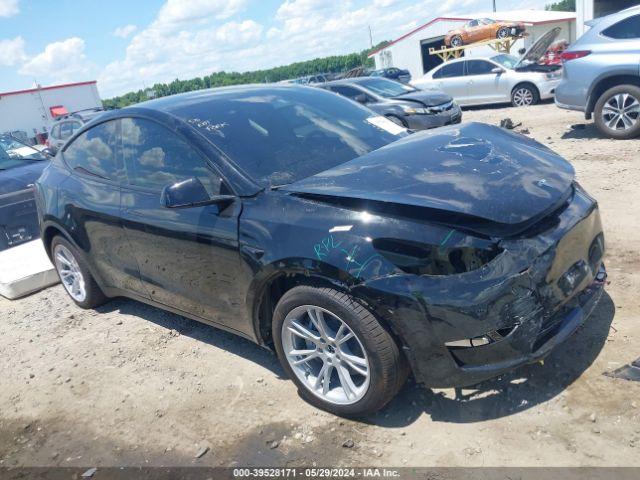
501, 78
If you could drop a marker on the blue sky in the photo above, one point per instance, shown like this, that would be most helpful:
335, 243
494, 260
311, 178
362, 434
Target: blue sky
127, 45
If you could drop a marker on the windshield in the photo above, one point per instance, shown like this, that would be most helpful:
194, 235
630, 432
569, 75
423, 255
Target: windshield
507, 61
281, 135
385, 88
487, 21
14, 153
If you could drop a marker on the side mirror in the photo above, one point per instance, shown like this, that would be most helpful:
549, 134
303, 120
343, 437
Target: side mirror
190, 193
361, 98
497, 70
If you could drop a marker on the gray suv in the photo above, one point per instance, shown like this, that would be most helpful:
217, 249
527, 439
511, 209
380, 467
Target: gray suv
602, 74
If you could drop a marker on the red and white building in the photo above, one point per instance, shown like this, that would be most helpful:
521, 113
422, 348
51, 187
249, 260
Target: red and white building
411, 50
33, 111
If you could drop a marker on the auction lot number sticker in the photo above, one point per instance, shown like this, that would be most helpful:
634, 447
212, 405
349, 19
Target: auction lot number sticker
315, 473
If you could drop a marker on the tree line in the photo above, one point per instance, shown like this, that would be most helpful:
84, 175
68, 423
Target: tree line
332, 64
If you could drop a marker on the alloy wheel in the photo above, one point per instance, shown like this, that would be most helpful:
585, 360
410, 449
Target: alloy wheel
523, 97
326, 355
456, 41
70, 273
621, 112
503, 33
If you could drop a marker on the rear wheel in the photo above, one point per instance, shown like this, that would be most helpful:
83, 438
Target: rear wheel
524, 95
74, 275
336, 352
617, 112
456, 41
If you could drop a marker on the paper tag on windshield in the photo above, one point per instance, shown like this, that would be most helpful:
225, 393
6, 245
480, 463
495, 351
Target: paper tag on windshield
386, 124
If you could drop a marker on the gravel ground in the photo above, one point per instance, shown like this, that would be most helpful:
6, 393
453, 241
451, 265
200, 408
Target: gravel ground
129, 384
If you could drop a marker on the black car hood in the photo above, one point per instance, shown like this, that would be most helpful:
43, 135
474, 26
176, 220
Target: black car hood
21, 178
476, 172
426, 98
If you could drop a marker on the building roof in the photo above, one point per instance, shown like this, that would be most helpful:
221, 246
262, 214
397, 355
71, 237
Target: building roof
51, 87
528, 17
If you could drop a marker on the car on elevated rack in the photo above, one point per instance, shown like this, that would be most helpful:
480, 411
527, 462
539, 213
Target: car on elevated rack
481, 29
307, 223
501, 78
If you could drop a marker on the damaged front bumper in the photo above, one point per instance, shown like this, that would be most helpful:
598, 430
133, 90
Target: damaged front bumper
458, 330
476, 364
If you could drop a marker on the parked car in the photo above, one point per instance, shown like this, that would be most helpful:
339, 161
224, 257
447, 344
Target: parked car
602, 74
498, 79
482, 29
64, 127
20, 167
297, 219
402, 104
392, 73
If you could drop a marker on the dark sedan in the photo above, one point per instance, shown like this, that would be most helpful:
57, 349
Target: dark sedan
402, 104
20, 167
392, 73
304, 222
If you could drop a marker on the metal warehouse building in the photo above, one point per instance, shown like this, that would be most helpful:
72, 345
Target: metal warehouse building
411, 51
33, 111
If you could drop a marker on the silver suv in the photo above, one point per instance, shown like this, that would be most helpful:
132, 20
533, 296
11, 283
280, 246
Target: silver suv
602, 74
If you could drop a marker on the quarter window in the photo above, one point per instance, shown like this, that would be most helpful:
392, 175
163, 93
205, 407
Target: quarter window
95, 152
156, 157
624, 29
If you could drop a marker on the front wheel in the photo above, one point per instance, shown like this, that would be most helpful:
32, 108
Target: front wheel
617, 112
456, 41
336, 352
524, 95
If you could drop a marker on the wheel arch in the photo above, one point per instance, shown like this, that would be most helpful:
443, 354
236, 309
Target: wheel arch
50, 230
525, 83
604, 84
276, 279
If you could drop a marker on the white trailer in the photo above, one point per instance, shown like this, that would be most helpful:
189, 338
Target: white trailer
34, 110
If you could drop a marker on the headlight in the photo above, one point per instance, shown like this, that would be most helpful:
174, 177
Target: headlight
414, 111
423, 259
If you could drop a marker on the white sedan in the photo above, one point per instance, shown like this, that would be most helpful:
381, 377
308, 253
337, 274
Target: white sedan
497, 79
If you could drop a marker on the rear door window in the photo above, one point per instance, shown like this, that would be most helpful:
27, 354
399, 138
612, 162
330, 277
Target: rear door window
156, 157
96, 152
624, 29
450, 70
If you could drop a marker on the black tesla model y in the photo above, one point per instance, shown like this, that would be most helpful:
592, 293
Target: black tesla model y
308, 224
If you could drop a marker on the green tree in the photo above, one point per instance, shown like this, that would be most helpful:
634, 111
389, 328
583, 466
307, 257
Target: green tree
562, 6
332, 64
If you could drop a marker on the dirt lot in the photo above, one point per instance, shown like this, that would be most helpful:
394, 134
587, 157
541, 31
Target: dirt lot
132, 385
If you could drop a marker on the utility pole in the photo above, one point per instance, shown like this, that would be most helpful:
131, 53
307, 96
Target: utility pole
494, 5
371, 37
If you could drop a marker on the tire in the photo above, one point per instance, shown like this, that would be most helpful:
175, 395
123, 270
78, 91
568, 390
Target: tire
502, 33
371, 344
524, 95
397, 121
612, 124
85, 292
456, 41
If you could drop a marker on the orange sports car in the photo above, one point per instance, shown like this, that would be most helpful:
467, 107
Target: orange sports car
482, 29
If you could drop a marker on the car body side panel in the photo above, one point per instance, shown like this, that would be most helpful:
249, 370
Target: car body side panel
188, 258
